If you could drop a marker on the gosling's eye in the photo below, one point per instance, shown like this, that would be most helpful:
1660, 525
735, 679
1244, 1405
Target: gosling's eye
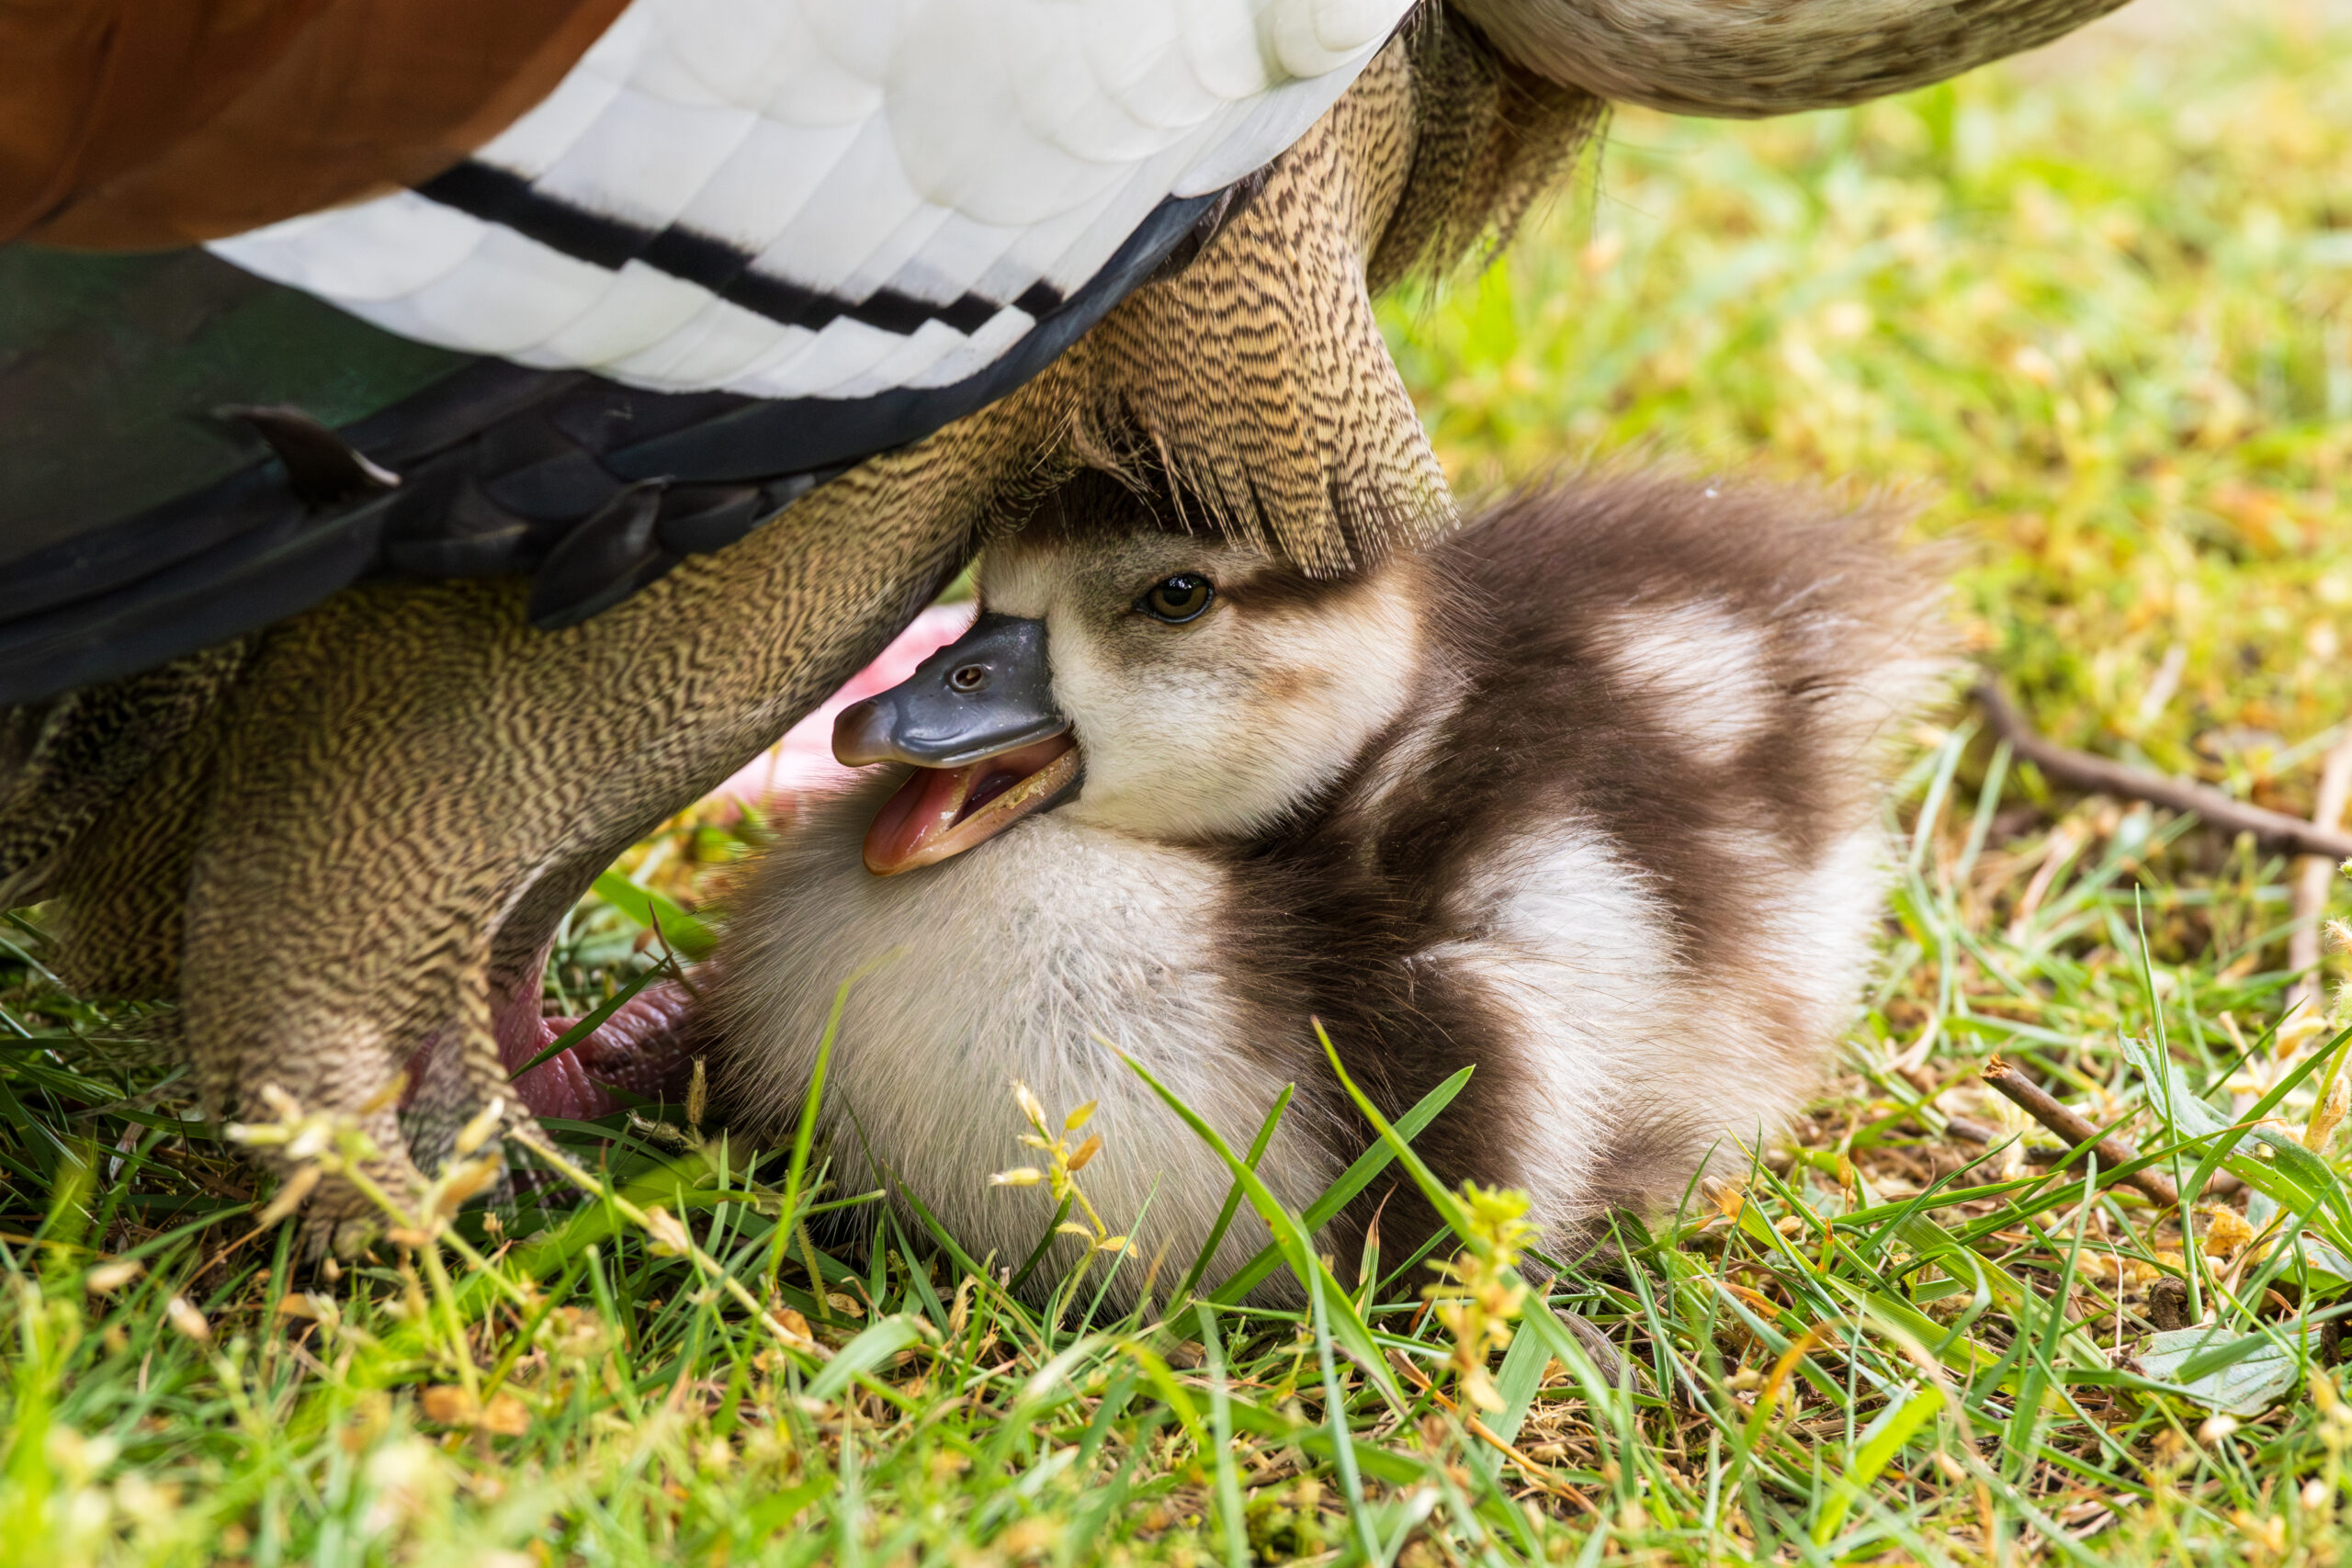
1177, 599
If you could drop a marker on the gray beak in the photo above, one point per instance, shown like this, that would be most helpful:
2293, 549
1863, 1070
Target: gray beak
988, 691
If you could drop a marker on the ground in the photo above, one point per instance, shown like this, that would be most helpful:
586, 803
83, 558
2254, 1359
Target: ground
2089, 310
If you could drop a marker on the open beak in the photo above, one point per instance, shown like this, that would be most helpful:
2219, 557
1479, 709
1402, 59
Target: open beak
977, 722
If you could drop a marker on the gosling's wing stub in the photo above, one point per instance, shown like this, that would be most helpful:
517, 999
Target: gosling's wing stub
736, 247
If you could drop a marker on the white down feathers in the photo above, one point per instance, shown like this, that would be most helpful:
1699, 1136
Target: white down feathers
1026, 959
946, 152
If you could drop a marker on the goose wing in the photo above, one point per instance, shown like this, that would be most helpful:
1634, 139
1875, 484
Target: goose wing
566, 286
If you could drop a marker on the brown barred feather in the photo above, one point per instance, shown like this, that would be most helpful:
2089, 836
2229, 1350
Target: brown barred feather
1490, 140
64, 761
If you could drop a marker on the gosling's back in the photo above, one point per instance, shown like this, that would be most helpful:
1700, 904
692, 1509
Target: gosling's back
1626, 860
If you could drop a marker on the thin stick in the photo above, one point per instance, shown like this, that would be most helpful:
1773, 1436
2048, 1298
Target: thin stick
2221, 1184
2315, 874
2099, 775
2113, 1152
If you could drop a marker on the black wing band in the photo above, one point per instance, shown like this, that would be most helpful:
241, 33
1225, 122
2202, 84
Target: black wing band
502, 196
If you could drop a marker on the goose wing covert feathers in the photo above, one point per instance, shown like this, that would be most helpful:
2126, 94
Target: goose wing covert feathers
620, 282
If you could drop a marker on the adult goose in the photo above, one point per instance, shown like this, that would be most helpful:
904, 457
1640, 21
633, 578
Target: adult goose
437, 440
1586, 796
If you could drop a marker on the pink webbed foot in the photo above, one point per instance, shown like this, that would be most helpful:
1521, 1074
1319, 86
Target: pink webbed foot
647, 1048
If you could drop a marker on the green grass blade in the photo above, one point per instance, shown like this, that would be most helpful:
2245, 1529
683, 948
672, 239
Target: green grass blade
1044, 1245
1880, 1441
1290, 1234
871, 1347
686, 935
1449, 1209
1228, 1480
1233, 1197
1320, 1287
1516, 1381
804, 1135
1354, 1179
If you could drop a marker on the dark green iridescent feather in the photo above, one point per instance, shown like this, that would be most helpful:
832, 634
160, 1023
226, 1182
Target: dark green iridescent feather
111, 367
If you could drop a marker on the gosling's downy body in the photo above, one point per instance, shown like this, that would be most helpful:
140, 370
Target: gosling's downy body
1584, 796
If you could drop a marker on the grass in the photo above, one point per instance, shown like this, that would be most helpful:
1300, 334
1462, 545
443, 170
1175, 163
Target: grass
2095, 318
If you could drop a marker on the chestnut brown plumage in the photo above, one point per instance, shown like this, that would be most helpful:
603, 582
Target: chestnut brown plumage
140, 124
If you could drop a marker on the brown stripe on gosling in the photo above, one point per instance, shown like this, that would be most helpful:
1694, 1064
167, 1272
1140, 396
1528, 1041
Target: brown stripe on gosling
1331, 911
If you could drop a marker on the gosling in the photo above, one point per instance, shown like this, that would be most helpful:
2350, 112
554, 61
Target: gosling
1586, 796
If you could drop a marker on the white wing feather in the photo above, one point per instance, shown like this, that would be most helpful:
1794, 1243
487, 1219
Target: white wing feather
934, 151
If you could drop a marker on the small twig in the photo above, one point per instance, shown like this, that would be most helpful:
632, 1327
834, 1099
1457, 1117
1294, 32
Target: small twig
186, 1162
2314, 875
2100, 776
2221, 1184
2113, 1152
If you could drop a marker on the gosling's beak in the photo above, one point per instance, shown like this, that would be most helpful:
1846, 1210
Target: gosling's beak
978, 721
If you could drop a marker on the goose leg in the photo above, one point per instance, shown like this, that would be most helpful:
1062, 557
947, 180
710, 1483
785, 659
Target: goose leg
411, 785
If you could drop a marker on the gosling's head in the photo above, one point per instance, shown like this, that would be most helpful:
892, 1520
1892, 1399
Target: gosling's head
1154, 683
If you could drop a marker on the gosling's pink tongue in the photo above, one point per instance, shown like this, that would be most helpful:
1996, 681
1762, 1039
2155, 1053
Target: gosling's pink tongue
940, 812
925, 808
